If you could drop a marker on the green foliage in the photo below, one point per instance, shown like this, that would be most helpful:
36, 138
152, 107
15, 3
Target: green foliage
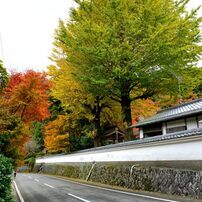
5, 179
37, 134
10, 135
80, 134
71, 99
80, 142
30, 160
129, 49
198, 90
3, 76
194, 81
55, 108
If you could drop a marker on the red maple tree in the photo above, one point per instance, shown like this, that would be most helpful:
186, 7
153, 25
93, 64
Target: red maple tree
27, 95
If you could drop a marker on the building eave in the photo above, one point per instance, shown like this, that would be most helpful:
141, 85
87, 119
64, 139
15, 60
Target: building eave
169, 118
181, 111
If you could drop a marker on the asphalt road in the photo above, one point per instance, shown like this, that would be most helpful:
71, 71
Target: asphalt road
35, 187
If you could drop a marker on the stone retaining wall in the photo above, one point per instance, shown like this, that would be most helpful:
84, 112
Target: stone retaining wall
165, 180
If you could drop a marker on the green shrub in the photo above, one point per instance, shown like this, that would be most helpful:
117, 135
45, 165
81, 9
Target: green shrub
5, 179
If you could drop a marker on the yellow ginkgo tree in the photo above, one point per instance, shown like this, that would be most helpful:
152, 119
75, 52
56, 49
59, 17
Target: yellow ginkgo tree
76, 100
55, 136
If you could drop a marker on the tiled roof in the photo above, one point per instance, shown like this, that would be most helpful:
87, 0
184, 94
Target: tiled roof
159, 138
179, 111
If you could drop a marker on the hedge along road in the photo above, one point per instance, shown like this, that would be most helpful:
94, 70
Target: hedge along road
35, 187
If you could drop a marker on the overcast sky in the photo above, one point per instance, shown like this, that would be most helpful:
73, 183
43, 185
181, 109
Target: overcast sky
27, 29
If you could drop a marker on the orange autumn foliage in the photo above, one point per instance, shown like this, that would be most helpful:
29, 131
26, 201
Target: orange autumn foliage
55, 135
27, 95
26, 99
12, 137
143, 109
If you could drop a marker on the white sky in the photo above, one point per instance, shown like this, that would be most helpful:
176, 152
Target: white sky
27, 29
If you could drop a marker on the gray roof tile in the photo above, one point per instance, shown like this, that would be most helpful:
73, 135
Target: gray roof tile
159, 138
179, 111
172, 136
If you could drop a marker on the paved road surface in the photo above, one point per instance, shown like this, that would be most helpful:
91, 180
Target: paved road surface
35, 187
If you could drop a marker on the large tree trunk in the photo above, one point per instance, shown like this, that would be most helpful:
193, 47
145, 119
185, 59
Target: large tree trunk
126, 115
98, 140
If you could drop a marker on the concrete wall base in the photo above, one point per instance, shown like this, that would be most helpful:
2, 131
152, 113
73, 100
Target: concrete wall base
173, 181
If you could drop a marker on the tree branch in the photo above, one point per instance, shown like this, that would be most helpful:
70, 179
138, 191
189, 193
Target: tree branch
117, 100
144, 95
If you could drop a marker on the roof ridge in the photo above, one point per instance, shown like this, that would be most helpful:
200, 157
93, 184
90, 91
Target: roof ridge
179, 105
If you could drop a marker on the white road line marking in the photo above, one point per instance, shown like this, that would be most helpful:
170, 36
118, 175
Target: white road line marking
49, 186
121, 192
36, 180
18, 192
78, 197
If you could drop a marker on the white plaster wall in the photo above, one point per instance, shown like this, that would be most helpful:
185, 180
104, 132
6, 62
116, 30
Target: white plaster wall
190, 150
191, 123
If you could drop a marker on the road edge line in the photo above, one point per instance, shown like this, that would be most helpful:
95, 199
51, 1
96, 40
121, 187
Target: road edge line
18, 192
